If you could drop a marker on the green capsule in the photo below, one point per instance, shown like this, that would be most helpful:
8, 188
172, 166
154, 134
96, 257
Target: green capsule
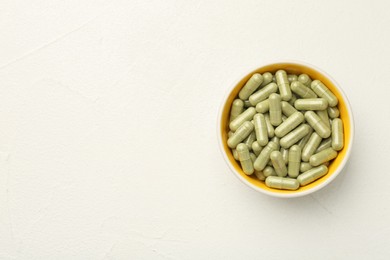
318, 125
260, 129
263, 157
292, 100
278, 163
323, 114
323, 156
235, 154
283, 84
253, 157
305, 139
311, 146
291, 78
311, 104
242, 132
294, 161
287, 109
263, 93
276, 140
333, 112
250, 139
250, 86
322, 91
275, 109
312, 175
237, 108
281, 183
305, 167
326, 143
267, 78
256, 148
284, 153
337, 134
263, 106
301, 90
260, 175
269, 171
247, 115
270, 127
284, 118
245, 159
294, 136
289, 124
304, 79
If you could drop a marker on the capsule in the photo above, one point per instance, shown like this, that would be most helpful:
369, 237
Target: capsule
250, 139
253, 157
247, 104
283, 84
284, 118
292, 100
242, 132
305, 139
305, 167
312, 175
287, 109
269, 171
235, 154
294, 161
304, 79
260, 129
278, 163
263, 157
294, 136
230, 133
267, 78
333, 112
323, 156
289, 124
263, 93
281, 183
284, 153
322, 91
326, 143
245, 159
247, 115
337, 134
275, 109
311, 104
311, 146
251, 85
318, 125
276, 140
302, 91
237, 108
291, 78
263, 106
256, 148
260, 175
323, 114
270, 127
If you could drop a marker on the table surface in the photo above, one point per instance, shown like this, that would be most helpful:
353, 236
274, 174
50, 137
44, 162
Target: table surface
108, 145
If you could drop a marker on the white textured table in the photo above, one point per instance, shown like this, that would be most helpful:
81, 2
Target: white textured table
108, 143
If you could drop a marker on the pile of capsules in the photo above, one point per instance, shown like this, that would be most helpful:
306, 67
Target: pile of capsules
285, 129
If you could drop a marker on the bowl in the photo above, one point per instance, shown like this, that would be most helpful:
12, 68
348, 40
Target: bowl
335, 167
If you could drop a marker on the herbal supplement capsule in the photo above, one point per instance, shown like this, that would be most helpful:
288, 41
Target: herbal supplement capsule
322, 91
283, 84
275, 109
312, 175
333, 112
292, 78
263, 106
247, 115
250, 139
305, 167
284, 118
230, 133
301, 90
278, 163
281, 183
289, 124
311, 146
323, 156
256, 148
287, 109
318, 125
247, 104
253, 157
260, 175
237, 108
263, 157
245, 159
276, 140
323, 114
250, 86
292, 100
294, 136
305, 139
337, 134
260, 129
267, 78
294, 161
324, 144
263, 93
242, 132
311, 104
284, 153
270, 127
304, 79
269, 171
235, 154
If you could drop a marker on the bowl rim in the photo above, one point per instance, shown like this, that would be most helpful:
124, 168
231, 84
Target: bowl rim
305, 192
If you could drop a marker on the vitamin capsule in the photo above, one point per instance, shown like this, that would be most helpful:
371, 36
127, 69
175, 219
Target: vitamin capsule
304, 79
276, 140
333, 112
302, 91
275, 109
287, 109
311, 104
269, 171
260, 129
250, 86
284, 153
305, 167
337, 134
311, 146
323, 114
247, 104
237, 108
294, 161
283, 84
281, 183
242, 132
322, 91
256, 148
263, 106
291, 78
326, 143
312, 175
263, 157
250, 139
323, 156
294, 136
267, 78
263, 93
305, 139
289, 124
278, 163
230, 133
247, 115
270, 127
292, 100
245, 159
260, 175
317, 124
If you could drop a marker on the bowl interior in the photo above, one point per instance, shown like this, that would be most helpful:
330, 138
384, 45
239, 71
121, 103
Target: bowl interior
290, 68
